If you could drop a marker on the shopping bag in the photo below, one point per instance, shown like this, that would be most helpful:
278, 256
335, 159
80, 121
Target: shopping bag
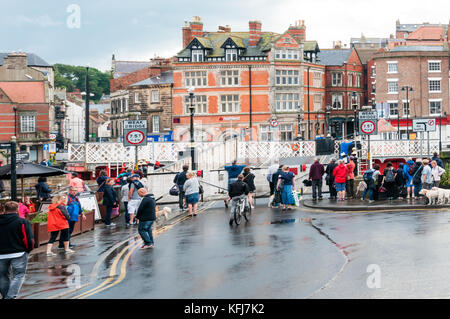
296, 198
115, 212
175, 190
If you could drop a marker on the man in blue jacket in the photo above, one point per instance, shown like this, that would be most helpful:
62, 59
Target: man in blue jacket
233, 172
74, 210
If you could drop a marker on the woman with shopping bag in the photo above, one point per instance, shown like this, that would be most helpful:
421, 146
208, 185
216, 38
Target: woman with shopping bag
286, 178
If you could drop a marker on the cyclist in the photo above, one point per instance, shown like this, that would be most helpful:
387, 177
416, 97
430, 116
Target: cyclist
233, 171
238, 190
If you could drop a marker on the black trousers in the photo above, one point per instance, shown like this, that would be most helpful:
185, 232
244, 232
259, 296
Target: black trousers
349, 185
64, 235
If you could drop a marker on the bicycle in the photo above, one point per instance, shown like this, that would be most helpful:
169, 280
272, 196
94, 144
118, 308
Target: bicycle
241, 210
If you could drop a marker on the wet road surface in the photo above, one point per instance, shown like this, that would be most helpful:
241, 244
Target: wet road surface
298, 254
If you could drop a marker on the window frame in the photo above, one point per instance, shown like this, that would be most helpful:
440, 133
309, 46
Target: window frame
33, 122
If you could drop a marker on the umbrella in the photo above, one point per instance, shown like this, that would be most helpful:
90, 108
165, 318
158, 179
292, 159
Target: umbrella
27, 169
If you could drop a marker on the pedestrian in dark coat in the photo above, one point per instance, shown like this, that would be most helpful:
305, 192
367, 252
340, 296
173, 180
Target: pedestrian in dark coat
315, 175
110, 200
330, 178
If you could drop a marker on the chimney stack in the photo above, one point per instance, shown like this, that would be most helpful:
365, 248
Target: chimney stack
192, 29
298, 31
225, 28
254, 32
16, 60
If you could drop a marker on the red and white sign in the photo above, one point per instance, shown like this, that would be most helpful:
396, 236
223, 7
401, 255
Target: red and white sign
368, 127
274, 123
135, 137
52, 136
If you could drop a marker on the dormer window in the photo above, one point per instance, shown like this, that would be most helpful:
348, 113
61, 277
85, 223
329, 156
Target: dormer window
197, 55
231, 54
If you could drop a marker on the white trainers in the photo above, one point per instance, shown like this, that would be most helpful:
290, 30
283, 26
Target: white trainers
51, 254
69, 251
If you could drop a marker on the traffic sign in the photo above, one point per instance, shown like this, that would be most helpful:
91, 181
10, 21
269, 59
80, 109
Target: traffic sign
22, 156
424, 125
52, 148
274, 123
5, 146
135, 133
368, 115
52, 136
135, 124
46, 147
135, 137
368, 127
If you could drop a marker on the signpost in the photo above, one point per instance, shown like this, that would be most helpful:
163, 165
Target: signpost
22, 156
424, 125
135, 134
368, 126
12, 146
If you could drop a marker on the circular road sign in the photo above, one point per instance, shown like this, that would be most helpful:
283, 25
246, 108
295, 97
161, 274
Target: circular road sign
368, 127
274, 123
135, 137
430, 122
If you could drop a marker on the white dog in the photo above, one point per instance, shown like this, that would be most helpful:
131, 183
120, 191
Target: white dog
444, 195
432, 195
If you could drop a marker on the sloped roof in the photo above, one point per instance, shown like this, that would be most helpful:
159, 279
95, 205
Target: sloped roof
122, 68
334, 56
365, 54
405, 48
311, 46
215, 40
32, 60
24, 92
427, 33
164, 78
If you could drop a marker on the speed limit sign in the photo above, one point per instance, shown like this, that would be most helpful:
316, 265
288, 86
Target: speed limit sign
135, 133
135, 137
368, 127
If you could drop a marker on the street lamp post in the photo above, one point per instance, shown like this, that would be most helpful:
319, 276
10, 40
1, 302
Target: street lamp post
327, 117
354, 111
86, 133
299, 120
309, 125
15, 120
192, 110
407, 89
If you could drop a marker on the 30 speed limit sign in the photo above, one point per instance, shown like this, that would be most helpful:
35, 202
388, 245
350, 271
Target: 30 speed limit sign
368, 127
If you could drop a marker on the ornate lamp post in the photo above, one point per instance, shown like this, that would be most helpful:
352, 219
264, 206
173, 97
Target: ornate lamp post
327, 117
192, 110
355, 105
407, 89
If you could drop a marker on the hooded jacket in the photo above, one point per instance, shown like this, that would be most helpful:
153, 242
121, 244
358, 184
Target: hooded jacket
146, 211
340, 173
57, 217
16, 235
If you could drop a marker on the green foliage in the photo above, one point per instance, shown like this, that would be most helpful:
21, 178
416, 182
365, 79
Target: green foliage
74, 77
445, 178
40, 218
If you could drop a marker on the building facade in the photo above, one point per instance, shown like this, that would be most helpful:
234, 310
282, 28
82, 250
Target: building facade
425, 69
27, 102
344, 89
241, 82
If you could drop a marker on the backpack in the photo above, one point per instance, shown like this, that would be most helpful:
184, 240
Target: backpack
390, 176
138, 185
411, 169
368, 176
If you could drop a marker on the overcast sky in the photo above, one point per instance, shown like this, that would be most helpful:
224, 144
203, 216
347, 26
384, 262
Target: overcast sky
139, 30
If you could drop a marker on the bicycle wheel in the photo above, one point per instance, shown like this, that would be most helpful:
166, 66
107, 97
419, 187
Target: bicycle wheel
237, 214
248, 213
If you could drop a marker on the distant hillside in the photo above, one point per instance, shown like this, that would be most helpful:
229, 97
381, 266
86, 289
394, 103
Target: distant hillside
74, 77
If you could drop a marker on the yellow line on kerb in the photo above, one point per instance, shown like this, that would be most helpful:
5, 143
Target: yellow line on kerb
112, 273
123, 271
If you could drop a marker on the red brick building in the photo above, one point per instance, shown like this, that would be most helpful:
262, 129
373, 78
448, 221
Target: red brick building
344, 89
25, 103
425, 69
218, 65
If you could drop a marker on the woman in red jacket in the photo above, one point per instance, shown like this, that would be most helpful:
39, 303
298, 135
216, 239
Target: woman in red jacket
340, 176
57, 222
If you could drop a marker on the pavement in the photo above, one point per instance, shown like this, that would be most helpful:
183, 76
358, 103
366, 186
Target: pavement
359, 205
301, 253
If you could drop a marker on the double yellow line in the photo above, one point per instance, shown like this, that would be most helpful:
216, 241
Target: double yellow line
110, 282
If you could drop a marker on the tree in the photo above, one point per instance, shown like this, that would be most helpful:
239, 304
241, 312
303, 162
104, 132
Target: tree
74, 77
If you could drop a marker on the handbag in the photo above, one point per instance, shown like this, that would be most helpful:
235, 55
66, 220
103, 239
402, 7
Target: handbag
382, 189
175, 190
115, 212
200, 189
